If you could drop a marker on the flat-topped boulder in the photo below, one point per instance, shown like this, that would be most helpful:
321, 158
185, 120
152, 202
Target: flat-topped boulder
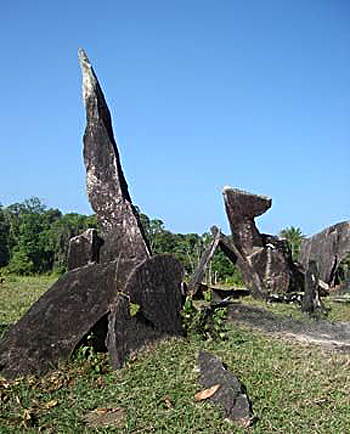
241, 209
264, 259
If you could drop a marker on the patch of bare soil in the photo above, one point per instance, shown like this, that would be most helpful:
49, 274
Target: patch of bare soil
332, 336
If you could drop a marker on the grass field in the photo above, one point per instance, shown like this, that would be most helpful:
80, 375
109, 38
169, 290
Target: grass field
294, 388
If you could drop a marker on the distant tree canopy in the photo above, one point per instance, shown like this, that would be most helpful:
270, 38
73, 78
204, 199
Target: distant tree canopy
34, 239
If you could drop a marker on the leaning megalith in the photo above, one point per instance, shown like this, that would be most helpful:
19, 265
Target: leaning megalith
154, 290
53, 327
265, 259
113, 288
327, 248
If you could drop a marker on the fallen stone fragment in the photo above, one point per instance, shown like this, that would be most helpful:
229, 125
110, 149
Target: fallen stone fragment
327, 248
84, 249
154, 288
231, 396
106, 184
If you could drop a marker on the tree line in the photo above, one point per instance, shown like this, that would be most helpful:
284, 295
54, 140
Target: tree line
35, 239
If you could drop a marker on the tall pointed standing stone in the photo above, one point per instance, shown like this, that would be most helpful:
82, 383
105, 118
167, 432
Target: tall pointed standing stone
106, 185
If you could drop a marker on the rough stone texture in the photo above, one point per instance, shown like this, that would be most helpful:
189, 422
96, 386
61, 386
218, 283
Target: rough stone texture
154, 286
275, 266
84, 249
231, 395
100, 279
58, 321
250, 276
198, 275
106, 185
236, 255
311, 302
327, 248
265, 259
241, 209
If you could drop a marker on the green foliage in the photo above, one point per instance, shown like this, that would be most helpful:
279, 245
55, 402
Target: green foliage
205, 323
87, 353
294, 238
295, 388
343, 271
4, 238
34, 239
188, 249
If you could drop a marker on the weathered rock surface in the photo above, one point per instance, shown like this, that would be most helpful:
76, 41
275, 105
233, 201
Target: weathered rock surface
264, 259
275, 266
84, 249
103, 279
106, 185
58, 321
237, 255
327, 248
154, 289
241, 209
311, 302
231, 396
198, 275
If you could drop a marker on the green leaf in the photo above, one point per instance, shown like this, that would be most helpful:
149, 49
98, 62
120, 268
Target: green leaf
133, 308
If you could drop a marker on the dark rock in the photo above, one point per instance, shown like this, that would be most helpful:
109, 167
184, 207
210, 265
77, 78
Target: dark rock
311, 302
196, 281
237, 255
327, 248
275, 266
231, 395
106, 184
84, 249
102, 280
241, 209
264, 260
154, 289
53, 327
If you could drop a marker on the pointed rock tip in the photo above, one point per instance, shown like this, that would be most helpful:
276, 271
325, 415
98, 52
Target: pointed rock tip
83, 58
226, 188
89, 79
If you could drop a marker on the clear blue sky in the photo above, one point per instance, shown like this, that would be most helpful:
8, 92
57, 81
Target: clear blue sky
249, 93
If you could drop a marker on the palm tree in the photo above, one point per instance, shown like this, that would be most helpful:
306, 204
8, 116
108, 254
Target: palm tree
294, 237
